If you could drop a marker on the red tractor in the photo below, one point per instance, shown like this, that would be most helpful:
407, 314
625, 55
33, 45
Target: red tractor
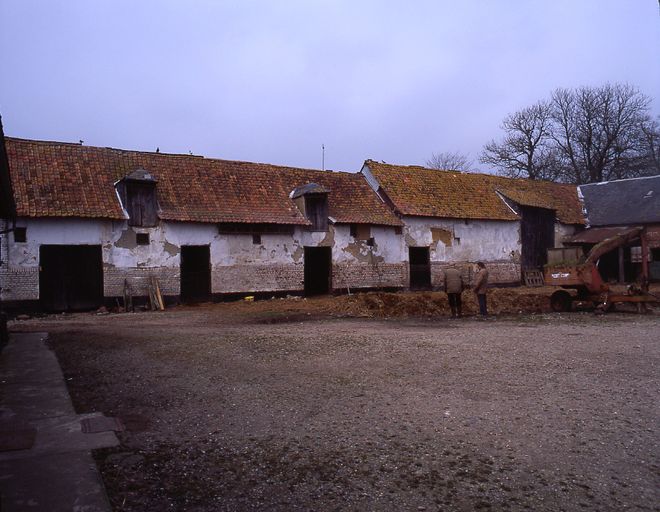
581, 274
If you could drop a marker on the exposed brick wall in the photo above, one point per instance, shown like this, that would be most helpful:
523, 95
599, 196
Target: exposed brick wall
19, 283
503, 272
653, 236
258, 278
138, 279
23, 284
499, 272
366, 275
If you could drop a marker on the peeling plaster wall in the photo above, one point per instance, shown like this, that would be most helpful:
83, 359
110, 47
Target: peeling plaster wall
562, 231
237, 264
480, 240
496, 243
358, 265
387, 246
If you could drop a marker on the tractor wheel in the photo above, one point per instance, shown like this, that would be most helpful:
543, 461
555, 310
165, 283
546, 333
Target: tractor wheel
560, 301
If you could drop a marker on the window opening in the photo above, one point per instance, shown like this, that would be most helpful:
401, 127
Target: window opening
361, 231
20, 235
142, 238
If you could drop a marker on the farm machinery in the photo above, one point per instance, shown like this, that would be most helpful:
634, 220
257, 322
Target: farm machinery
570, 269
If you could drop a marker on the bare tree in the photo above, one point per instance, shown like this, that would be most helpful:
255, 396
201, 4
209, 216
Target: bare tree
448, 161
651, 133
579, 136
598, 132
526, 150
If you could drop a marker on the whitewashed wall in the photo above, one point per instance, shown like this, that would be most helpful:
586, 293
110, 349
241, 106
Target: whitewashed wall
238, 265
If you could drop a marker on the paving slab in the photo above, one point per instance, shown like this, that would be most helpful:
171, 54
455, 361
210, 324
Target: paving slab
56, 482
56, 471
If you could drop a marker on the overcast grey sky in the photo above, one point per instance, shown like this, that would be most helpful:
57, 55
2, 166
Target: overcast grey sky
270, 81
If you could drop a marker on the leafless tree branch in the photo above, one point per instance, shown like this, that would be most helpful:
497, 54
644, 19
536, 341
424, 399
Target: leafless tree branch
450, 161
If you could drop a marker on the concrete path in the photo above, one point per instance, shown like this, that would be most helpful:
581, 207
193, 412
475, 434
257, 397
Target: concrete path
45, 462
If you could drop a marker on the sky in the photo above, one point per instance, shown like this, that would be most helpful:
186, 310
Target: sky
273, 81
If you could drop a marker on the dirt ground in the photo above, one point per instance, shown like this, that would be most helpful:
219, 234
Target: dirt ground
371, 402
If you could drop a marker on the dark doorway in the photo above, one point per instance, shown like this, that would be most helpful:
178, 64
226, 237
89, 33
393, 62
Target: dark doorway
420, 268
70, 277
195, 273
318, 261
537, 233
609, 266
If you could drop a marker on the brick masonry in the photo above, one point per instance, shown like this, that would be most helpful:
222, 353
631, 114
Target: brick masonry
499, 272
19, 283
653, 236
258, 278
367, 275
23, 284
139, 278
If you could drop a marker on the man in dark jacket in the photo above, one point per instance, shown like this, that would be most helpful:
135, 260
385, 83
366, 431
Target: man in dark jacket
454, 287
480, 285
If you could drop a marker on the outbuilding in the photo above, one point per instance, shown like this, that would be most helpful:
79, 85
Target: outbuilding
82, 224
456, 218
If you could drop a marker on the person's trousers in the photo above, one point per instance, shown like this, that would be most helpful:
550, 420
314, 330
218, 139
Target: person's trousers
455, 303
482, 304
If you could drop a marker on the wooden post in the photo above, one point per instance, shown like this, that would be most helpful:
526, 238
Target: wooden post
645, 257
622, 273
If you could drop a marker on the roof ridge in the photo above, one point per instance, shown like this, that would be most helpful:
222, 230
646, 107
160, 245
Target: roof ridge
177, 155
618, 181
470, 173
83, 146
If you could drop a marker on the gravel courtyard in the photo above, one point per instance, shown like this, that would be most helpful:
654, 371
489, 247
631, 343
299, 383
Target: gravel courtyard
229, 408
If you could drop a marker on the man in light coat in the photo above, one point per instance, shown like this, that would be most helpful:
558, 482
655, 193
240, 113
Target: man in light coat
480, 285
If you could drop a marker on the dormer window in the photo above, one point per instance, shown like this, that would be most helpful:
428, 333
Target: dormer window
312, 199
138, 194
316, 211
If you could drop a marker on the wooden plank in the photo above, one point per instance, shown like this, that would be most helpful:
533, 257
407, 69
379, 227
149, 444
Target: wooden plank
533, 278
159, 297
631, 298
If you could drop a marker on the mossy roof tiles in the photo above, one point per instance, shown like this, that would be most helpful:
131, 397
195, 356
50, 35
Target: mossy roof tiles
418, 191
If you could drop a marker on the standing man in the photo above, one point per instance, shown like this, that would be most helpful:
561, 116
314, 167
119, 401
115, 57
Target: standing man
454, 287
480, 285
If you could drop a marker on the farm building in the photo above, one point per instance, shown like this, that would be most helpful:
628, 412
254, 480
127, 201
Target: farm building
615, 207
452, 218
82, 224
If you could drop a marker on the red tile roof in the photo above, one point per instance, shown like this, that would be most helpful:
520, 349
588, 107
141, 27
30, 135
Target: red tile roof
426, 192
54, 179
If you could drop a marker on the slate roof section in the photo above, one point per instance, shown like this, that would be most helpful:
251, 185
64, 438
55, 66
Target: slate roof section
418, 191
631, 201
54, 179
595, 235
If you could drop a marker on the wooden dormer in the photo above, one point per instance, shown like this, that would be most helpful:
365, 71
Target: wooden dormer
138, 195
312, 200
